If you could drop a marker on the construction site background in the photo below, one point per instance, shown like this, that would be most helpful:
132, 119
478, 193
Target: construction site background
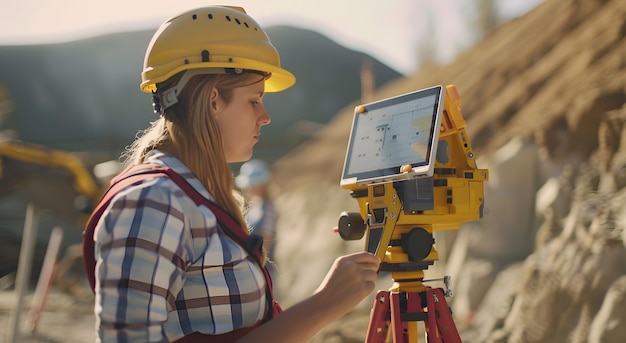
544, 98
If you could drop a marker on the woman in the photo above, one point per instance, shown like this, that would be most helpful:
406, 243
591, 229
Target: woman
166, 270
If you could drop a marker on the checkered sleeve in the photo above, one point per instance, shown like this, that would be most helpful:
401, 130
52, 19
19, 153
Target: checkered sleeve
141, 255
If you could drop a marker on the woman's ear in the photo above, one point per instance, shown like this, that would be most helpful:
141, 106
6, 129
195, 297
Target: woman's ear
216, 101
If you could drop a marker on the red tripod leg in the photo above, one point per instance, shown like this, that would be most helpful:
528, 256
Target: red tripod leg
413, 314
440, 323
379, 319
398, 325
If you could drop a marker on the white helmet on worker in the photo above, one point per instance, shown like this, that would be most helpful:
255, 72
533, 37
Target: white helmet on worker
210, 40
252, 174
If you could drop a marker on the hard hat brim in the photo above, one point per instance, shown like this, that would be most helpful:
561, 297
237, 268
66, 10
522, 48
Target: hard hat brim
280, 80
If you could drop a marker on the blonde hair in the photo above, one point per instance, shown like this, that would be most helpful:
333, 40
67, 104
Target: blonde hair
189, 131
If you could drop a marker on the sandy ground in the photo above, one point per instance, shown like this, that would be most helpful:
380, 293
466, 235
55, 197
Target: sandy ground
67, 320
63, 319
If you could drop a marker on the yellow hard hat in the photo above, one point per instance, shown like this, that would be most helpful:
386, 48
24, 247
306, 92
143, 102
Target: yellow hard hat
216, 39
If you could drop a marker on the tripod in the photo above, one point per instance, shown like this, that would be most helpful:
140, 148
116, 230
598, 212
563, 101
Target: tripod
408, 303
403, 309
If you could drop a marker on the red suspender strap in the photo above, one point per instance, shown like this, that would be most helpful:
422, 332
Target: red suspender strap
137, 173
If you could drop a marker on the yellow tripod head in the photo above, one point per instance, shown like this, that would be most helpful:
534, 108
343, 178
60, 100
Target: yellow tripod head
399, 217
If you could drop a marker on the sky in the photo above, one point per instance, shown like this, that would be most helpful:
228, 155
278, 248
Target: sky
390, 30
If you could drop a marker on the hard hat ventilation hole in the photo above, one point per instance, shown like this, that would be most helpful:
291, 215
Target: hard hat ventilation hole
228, 18
248, 26
210, 16
186, 61
205, 55
237, 21
194, 17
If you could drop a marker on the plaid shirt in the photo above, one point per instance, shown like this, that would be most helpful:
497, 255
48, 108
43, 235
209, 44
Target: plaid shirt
165, 268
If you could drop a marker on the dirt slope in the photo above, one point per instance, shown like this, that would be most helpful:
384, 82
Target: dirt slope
551, 87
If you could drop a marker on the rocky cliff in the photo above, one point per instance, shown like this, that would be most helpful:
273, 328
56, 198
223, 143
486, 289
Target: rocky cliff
544, 98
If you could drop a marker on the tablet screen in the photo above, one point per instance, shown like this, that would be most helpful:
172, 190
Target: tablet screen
394, 132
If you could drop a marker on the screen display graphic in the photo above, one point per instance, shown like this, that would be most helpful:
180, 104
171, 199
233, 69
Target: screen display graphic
394, 132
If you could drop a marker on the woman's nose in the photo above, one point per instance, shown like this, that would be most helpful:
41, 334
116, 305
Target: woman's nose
264, 118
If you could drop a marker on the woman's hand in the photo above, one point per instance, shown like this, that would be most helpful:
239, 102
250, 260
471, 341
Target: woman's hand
350, 279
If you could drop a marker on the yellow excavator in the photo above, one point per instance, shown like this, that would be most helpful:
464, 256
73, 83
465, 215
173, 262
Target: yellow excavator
59, 180
84, 181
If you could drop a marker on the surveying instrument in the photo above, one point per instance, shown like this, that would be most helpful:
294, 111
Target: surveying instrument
411, 167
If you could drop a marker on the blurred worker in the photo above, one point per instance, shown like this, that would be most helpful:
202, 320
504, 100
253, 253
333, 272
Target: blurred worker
167, 269
261, 217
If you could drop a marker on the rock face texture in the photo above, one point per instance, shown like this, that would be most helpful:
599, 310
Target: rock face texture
544, 98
